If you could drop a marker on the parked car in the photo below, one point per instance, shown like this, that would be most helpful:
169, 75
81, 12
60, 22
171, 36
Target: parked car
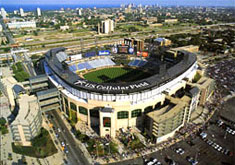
191, 160
220, 122
63, 144
179, 151
203, 135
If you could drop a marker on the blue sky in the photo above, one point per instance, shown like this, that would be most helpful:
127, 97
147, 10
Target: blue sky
160, 2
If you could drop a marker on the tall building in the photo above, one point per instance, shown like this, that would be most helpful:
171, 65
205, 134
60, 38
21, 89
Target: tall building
79, 11
15, 12
3, 13
22, 12
39, 12
107, 26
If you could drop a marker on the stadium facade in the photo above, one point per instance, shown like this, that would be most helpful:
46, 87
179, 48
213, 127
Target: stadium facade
160, 104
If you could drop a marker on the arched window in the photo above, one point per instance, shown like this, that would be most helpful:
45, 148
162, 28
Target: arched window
83, 110
122, 115
136, 113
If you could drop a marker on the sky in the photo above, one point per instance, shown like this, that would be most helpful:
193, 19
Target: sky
115, 2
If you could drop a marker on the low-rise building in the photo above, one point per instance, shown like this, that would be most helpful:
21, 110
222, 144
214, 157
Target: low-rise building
64, 28
166, 119
6, 86
155, 25
28, 122
189, 48
137, 44
164, 122
18, 25
171, 20
206, 86
162, 41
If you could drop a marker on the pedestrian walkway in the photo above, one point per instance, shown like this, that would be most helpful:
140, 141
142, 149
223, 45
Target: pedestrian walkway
163, 145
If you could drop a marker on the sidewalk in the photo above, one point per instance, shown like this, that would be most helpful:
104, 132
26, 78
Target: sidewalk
158, 147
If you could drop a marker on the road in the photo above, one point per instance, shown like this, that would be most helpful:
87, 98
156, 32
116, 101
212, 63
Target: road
7, 32
75, 155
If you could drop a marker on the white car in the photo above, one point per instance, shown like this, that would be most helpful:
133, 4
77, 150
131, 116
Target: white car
220, 123
150, 163
179, 151
219, 149
233, 133
216, 146
203, 135
154, 160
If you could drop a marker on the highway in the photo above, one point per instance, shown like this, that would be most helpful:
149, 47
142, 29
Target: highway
75, 155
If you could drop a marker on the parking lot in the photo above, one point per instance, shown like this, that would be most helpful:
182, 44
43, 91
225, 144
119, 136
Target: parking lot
198, 148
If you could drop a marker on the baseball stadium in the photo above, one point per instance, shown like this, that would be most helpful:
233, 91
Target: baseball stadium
109, 91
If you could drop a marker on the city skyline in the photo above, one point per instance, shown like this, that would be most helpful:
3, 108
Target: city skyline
116, 2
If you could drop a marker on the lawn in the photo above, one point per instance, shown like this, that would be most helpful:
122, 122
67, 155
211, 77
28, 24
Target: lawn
113, 75
42, 146
20, 74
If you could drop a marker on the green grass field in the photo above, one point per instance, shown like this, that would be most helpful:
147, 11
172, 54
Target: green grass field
113, 75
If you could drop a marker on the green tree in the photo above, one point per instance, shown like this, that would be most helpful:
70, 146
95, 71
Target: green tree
2, 121
35, 33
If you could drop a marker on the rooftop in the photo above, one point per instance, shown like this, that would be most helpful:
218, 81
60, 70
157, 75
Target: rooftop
28, 109
168, 111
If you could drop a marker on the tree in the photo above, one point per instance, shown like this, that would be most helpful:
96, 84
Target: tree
35, 33
2, 121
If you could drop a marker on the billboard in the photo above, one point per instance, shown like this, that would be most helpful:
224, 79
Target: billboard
143, 54
139, 53
103, 52
90, 54
123, 49
131, 50
75, 57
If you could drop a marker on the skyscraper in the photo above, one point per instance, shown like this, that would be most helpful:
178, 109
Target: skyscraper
79, 12
39, 12
22, 12
3, 13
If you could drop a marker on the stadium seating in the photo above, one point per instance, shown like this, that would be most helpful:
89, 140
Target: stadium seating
142, 63
95, 64
137, 63
73, 68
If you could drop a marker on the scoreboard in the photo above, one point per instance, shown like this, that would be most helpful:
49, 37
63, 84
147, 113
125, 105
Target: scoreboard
123, 49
